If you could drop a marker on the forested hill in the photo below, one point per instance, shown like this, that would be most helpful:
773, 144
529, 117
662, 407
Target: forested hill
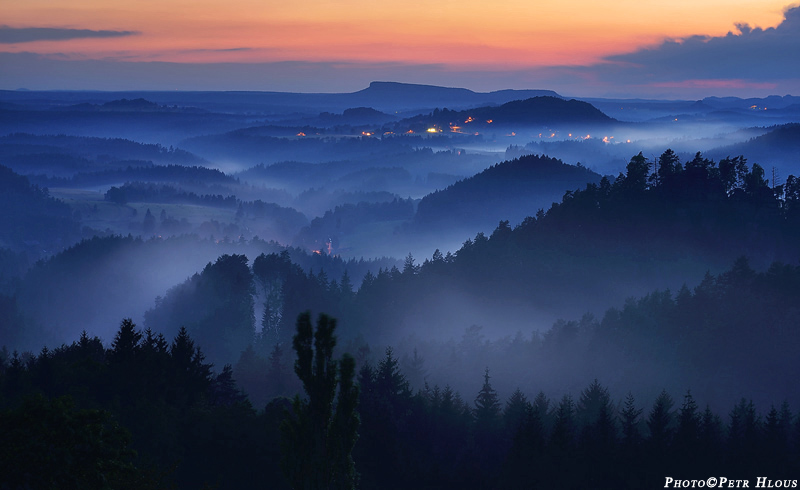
64, 156
147, 172
512, 190
662, 221
533, 112
30, 220
780, 146
650, 229
661, 225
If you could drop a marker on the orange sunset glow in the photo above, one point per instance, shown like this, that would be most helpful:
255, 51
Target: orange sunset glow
450, 36
515, 32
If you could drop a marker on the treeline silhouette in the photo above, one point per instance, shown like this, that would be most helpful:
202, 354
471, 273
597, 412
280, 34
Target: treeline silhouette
733, 334
163, 417
164, 193
146, 192
60, 155
283, 222
149, 413
90, 283
140, 171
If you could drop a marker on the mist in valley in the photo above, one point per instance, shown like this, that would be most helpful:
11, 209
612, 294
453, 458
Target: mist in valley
536, 242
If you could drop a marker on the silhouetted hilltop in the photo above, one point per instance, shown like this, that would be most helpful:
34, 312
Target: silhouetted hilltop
545, 110
511, 190
532, 112
410, 96
411, 90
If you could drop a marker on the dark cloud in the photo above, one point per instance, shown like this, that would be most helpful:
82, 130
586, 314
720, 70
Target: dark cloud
14, 35
749, 54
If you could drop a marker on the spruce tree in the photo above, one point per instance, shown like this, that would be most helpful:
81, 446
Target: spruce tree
629, 417
487, 404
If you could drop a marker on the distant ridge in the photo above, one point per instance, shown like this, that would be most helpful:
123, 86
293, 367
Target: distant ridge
389, 97
771, 102
409, 96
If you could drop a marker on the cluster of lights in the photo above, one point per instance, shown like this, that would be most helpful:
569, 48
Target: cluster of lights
472, 119
553, 134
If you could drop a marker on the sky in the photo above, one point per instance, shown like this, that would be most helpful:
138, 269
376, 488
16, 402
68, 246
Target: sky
626, 48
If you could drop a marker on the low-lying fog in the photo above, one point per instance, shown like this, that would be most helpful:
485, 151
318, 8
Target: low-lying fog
340, 187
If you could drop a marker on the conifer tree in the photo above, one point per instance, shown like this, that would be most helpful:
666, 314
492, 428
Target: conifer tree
487, 404
687, 434
319, 437
516, 412
630, 423
126, 343
593, 400
659, 422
